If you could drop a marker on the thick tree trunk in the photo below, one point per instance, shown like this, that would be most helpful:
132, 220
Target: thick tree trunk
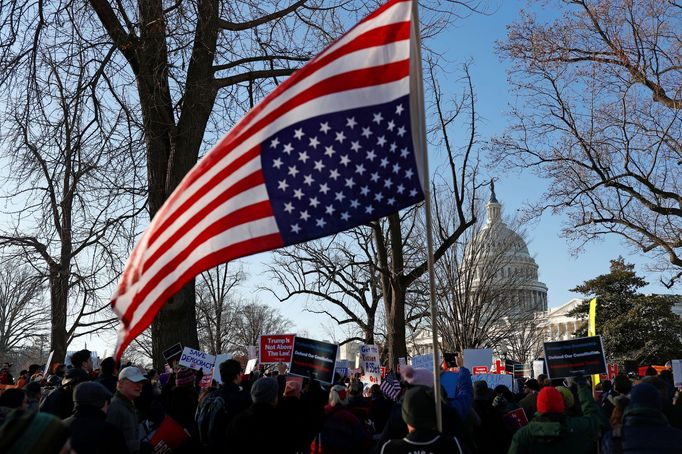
59, 297
176, 322
395, 328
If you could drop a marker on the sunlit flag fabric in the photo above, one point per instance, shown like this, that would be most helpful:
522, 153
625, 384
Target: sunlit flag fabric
332, 147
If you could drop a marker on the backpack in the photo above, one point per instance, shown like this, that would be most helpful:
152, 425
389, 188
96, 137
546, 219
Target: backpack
210, 408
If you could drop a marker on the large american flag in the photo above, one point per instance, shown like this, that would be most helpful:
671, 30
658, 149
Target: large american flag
330, 148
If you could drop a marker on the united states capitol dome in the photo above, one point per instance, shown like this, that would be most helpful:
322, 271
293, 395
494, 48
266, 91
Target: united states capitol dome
507, 251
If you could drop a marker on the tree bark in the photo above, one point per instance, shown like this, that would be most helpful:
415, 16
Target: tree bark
59, 297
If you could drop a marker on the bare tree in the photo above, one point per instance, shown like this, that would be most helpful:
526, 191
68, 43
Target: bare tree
254, 320
22, 320
338, 278
75, 195
218, 308
601, 120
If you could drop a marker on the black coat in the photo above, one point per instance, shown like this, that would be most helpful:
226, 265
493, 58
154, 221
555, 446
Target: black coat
645, 431
263, 427
91, 434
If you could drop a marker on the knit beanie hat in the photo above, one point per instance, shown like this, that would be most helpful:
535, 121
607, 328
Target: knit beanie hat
566, 393
25, 432
422, 377
91, 393
265, 390
419, 408
184, 376
550, 401
645, 395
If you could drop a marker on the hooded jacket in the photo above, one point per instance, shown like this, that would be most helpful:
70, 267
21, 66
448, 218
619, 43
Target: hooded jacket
559, 434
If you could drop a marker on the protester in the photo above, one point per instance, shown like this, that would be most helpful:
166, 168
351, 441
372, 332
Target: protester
107, 375
10, 400
419, 414
33, 392
621, 387
35, 433
489, 422
90, 432
59, 402
551, 431
342, 431
218, 408
82, 360
261, 416
645, 429
122, 412
294, 411
379, 408
531, 389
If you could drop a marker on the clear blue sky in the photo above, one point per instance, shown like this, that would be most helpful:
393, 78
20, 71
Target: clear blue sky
472, 39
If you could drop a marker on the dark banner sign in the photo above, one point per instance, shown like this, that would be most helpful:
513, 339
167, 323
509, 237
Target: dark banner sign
575, 356
313, 358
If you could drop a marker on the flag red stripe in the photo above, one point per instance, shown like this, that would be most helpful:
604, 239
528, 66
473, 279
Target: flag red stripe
251, 246
247, 214
250, 181
203, 190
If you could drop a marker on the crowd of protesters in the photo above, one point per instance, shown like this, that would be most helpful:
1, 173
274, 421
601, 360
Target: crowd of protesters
131, 410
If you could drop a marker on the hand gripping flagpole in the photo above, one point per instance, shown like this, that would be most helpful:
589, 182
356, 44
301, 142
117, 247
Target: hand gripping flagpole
421, 142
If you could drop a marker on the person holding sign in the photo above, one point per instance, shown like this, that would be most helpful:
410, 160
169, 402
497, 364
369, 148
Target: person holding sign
553, 431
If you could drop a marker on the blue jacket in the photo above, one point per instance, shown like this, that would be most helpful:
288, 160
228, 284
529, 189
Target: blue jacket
645, 430
460, 393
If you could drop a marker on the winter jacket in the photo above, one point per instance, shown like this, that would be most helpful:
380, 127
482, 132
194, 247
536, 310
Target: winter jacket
426, 442
342, 432
122, 414
260, 426
560, 434
59, 402
529, 404
644, 431
91, 434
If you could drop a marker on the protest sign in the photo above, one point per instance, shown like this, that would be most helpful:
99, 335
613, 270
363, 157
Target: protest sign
313, 358
47, 366
423, 361
494, 379
478, 370
478, 357
613, 370
173, 352
197, 360
515, 419
172, 434
538, 367
275, 348
370, 364
219, 359
677, 371
342, 367
572, 357
250, 365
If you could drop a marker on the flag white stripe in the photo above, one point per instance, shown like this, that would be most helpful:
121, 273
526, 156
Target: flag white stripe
378, 56
400, 12
236, 234
186, 216
254, 195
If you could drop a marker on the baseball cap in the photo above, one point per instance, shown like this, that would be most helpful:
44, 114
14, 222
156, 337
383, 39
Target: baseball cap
131, 373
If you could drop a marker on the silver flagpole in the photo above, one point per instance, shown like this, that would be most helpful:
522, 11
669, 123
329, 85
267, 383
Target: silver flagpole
420, 125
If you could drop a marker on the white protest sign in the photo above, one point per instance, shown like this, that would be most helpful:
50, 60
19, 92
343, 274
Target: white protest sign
538, 367
250, 365
677, 371
219, 359
197, 360
423, 361
371, 364
494, 380
478, 357
47, 366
